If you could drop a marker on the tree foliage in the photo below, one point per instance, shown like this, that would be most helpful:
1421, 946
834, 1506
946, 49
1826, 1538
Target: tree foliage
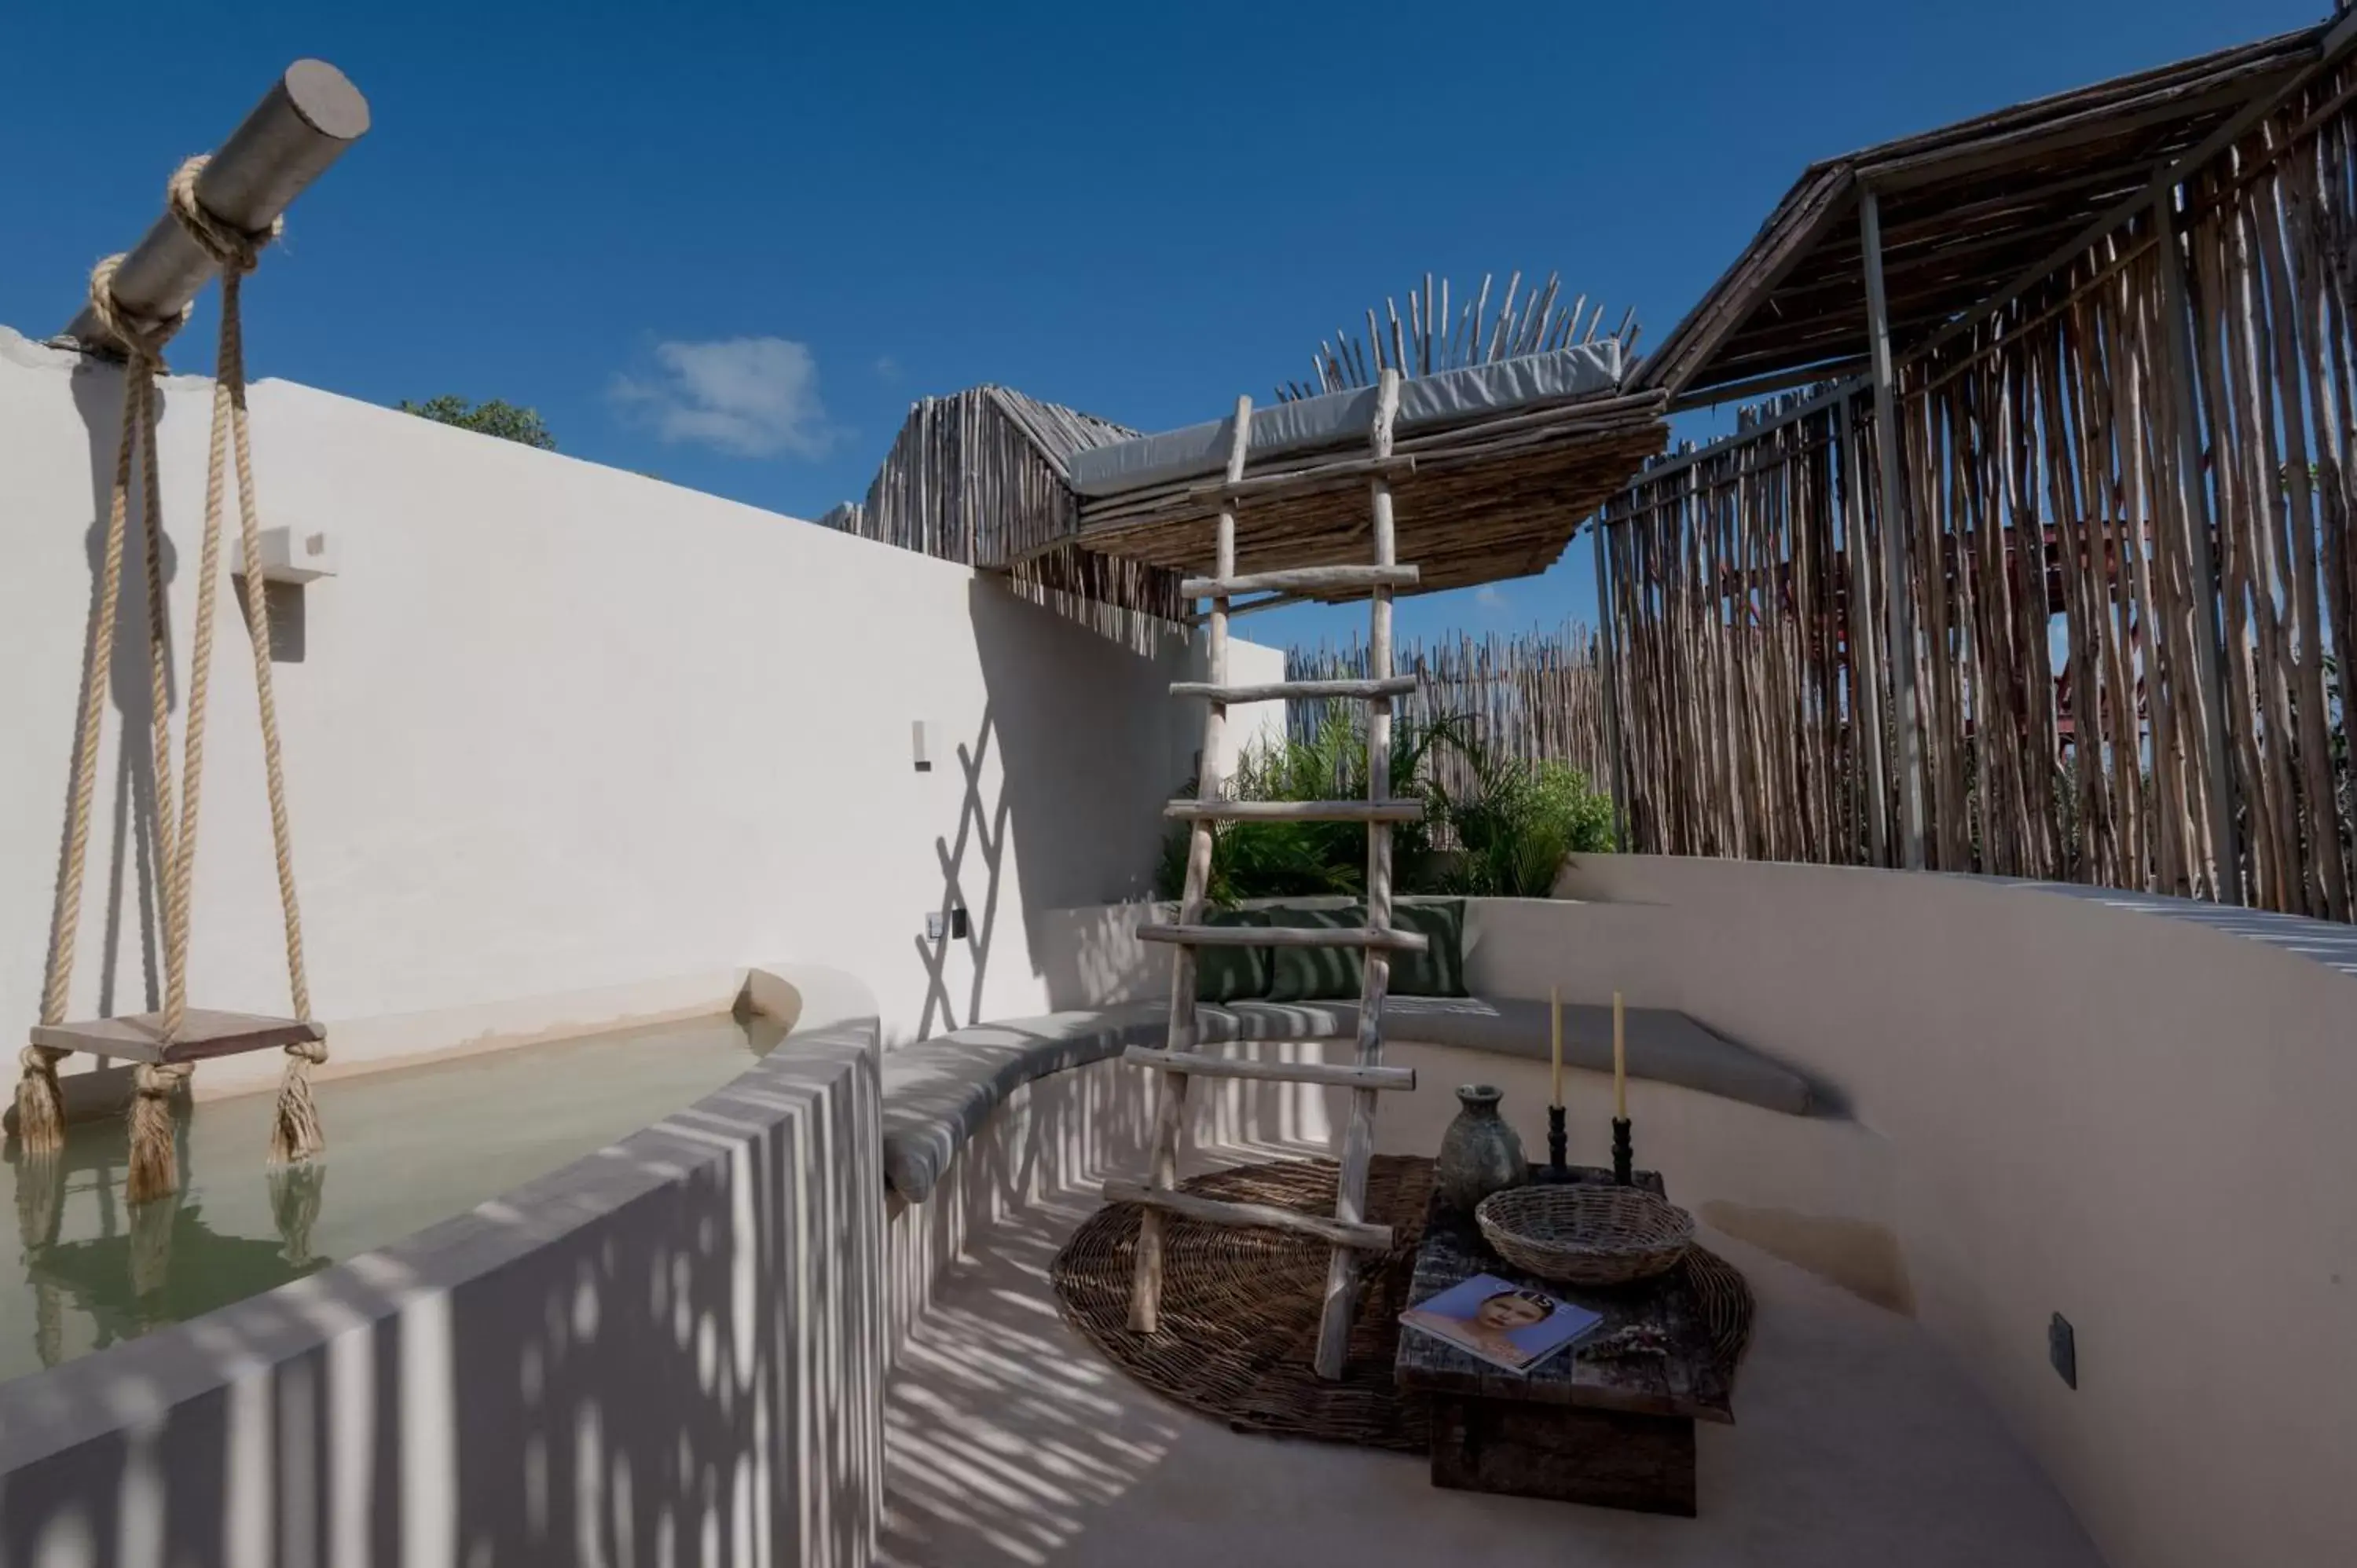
505, 420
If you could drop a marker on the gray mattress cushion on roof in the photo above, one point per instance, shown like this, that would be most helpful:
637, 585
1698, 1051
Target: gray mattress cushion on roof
1344, 418
940, 1092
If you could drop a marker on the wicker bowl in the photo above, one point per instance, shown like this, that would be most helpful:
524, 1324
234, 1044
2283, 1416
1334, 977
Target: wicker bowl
1589, 1233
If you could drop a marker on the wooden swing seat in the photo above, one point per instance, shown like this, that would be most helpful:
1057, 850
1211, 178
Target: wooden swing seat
204, 1033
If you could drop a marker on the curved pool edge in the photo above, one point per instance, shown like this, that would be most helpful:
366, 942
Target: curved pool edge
710, 1278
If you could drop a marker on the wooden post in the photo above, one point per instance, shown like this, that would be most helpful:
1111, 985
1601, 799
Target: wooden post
2209, 657
1359, 1141
1899, 604
1609, 667
1169, 1115
1865, 669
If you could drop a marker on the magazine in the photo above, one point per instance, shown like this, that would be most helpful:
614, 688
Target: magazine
1506, 1324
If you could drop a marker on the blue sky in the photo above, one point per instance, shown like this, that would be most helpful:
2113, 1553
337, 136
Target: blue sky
729, 245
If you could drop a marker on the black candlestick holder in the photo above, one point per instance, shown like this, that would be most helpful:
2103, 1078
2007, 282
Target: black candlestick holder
1621, 1158
1556, 1169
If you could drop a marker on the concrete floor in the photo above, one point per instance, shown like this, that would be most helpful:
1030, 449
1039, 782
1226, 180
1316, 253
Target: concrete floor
1012, 1443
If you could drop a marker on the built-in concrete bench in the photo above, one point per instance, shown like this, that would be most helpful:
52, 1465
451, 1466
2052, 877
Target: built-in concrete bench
939, 1092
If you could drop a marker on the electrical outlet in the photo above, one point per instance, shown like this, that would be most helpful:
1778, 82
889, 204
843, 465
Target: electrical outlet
2062, 1349
934, 926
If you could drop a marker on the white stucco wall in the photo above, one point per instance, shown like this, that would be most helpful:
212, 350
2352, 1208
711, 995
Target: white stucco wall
671, 1350
2137, 1117
556, 727
2132, 1112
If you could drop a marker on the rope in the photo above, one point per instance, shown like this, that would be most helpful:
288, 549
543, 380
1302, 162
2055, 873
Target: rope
295, 1134
154, 1170
41, 1113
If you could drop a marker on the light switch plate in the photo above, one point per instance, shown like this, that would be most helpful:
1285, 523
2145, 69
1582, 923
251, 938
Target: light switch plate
934, 926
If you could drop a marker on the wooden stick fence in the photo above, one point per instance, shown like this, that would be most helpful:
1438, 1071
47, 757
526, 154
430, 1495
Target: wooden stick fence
1538, 697
2124, 503
978, 477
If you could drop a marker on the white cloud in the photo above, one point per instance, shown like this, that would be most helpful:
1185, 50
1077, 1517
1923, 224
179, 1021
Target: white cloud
887, 368
1491, 598
751, 397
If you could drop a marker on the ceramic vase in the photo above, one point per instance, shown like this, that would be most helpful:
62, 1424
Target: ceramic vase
1479, 1153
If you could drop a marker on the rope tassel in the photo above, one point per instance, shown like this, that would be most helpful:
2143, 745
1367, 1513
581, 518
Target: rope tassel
155, 1132
294, 1132
40, 1103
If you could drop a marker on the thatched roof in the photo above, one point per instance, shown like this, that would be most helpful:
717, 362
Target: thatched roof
1967, 212
1516, 419
980, 477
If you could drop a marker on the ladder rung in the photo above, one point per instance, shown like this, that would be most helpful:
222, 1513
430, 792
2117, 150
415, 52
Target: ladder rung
1296, 810
1300, 580
1397, 686
1267, 486
1340, 1076
1220, 1211
1285, 937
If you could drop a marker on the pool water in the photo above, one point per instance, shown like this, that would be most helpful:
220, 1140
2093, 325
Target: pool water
406, 1148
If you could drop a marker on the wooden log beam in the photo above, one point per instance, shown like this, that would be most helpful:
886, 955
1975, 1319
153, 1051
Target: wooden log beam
1898, 601
1608, 657
1269, 487
1342, 1273
1397, 686
1299, 580
2201, 530
1252, 1216
1283, 937
1171, 1112
1226, 810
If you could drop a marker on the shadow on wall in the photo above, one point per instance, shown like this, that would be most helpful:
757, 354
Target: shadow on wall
1002, 1447
670, 1352
129, 803
1081, 802
964, 919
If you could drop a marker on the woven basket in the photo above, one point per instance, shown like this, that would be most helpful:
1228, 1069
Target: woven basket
1586, 1234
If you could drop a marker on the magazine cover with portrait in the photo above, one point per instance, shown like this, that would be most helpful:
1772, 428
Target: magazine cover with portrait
1506, 1324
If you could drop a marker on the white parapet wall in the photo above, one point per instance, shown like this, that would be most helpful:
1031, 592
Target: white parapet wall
671, 1351
552, 727
2130, 1111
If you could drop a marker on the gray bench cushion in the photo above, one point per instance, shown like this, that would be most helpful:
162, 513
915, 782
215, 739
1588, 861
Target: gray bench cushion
939, 1092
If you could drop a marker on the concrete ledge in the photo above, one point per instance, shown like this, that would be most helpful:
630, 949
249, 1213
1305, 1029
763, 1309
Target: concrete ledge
938, 1093
679, 1334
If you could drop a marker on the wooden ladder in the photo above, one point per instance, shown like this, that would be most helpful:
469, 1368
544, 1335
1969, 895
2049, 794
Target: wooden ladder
1347, 1229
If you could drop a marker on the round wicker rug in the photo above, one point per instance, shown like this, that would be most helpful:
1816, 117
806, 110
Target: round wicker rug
1239, 1307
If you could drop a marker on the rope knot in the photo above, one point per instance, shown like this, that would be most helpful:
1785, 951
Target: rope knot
143, 336
160, 1080
232, 249
312, 1051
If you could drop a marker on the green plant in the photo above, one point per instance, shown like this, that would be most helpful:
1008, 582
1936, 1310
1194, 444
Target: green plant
1505, 835
1519, 823
1298, 860
505, 420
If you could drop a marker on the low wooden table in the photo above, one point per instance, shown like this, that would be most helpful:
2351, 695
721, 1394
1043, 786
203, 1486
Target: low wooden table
1612, 1432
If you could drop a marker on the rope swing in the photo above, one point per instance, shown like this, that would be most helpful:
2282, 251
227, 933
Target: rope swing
167, 1044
